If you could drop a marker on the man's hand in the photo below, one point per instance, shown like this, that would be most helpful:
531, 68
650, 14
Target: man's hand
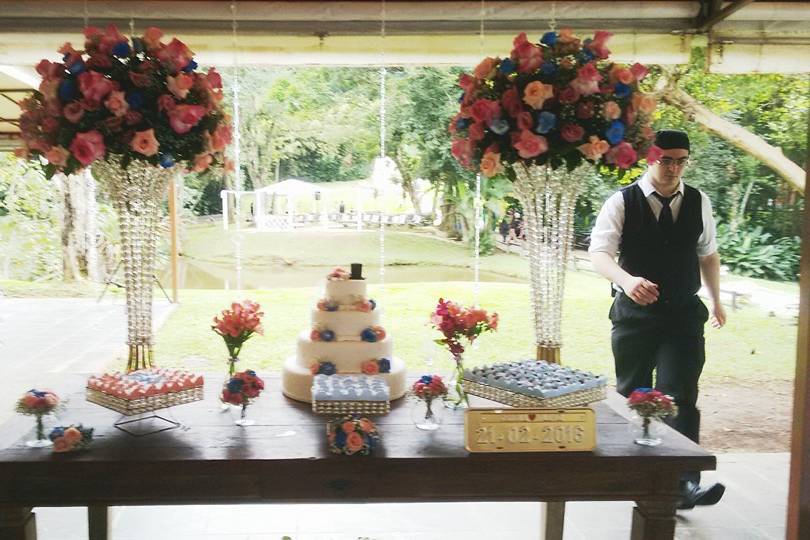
718, 318
641, 291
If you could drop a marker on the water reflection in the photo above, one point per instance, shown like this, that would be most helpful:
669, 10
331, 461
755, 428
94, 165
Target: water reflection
208, 275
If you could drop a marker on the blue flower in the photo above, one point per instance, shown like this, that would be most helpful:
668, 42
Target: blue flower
121, 50
327, 368
499, 126
621, 90
507, 66
77, 67
615, 132
549, 38
546, 122
67, 90
340, 438
385, 365
166, 161
56, 433
373, 304
462, 123
426, 379
332, 306
191, 66
368, 335
548, 69
585, 56
235, 385
135, 100
327, 335
644, 389
250, 372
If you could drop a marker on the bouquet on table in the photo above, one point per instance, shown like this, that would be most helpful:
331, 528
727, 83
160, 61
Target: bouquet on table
558, 102
241, 390
425, 390
71, 438
138, 99
457, 322
237, 325
352, 435
649, 404
38, 403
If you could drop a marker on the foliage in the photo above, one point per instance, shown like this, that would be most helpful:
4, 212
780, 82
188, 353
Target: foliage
755, 253
140, 101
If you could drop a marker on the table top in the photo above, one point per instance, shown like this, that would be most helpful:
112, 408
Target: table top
285, 457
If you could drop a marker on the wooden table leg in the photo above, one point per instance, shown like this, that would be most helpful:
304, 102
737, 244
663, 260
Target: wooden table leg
653, 521
97, 522
17, 523
553, 520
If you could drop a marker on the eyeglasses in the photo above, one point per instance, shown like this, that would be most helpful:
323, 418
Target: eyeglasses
669, 162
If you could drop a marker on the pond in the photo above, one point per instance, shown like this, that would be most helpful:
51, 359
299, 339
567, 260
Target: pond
207, 275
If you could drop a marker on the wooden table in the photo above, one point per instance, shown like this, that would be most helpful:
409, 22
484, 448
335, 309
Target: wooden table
284, 458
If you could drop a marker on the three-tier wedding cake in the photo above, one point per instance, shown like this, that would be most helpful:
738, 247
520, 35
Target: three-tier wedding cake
345, 338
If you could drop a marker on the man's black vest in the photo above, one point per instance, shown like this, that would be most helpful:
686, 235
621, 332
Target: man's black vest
671, 260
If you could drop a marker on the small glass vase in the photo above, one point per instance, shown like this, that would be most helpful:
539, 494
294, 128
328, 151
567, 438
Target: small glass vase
646, 430
456, 397
426, 414
42, 440
243, 420
231, 371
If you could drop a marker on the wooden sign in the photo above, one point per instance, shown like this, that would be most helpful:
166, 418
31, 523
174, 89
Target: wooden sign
530, 430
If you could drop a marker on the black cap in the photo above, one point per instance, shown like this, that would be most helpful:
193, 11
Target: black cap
357, 271
669, 139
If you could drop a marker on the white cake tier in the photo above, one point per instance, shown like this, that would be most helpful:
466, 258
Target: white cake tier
347, 356
345, 324
296, 380
346, 291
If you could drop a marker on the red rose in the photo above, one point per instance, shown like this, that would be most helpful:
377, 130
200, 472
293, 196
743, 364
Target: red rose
622, 155
569, 95
486, 110
88, 147
95, 86
511, 102
572, 132
184, 117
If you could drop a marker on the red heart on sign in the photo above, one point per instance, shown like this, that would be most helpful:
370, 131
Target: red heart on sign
532, 416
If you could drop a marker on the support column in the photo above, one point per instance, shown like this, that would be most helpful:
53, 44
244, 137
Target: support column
17, 523
97, 522
553, 520
653, 521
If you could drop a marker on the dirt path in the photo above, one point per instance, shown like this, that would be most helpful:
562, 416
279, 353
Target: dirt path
746, 416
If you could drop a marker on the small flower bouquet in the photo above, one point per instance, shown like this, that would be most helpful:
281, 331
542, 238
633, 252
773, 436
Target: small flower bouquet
649, 404
38, 403
457, 322
352, 435
424, 391
338, 274
241, 390
237, 325
71, 438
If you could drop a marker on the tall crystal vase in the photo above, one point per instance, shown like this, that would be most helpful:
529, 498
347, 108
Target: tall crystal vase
548, 197
136, 193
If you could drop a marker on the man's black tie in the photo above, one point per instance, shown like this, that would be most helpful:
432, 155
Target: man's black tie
665, 220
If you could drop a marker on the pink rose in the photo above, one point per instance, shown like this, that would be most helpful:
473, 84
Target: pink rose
588, 72
57, 155
49, 88
94, 86
530, 145
141, 80
152, 37
184, 117
485, 69
569, 95
490, 164
486, 110
475, 132
50, 124
88, 147
98, 61
462, 151
639, 71
525, 120
572, 132
527, 55
166, 103
60, 445
624, 76
176, 55
611, 110
511, 102
622, 155
214, 79
597, 45
179, 85
132, 118
202, 162
466, 82
585, 110
117, 104
654, 154
73, 112
145, 142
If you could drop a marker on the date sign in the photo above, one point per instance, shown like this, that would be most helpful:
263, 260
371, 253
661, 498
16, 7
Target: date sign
530, 430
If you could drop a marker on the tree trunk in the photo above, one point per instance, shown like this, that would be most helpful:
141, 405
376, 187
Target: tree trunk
70, 261
79, 227
748, 142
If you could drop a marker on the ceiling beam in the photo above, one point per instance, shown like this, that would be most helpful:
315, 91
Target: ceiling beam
715, 16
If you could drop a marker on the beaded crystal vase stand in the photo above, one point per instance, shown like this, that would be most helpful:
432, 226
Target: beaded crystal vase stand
136, 193
548, 197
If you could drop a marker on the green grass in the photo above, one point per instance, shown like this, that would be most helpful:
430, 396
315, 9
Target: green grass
54, 289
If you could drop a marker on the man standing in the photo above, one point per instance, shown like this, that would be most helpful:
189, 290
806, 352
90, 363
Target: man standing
665, 235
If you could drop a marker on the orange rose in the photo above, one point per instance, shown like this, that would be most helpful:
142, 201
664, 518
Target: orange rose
145, 142
536, 93
347, 427
61, 445
370, 367
72, 435
354, 442
491, 164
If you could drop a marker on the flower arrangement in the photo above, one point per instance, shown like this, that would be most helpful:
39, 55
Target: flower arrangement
242, 388
338, 274
71, 438
352, 435
558, 102
365, 306
38, 403
649, 404
457, 322
322, 368
138, 99
373, 334
425, 390
237, 325
375, 366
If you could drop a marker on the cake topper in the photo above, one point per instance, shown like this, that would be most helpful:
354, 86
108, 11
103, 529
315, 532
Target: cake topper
357, 271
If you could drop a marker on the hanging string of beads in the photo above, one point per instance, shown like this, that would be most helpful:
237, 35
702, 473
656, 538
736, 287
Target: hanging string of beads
383, 163
237, 157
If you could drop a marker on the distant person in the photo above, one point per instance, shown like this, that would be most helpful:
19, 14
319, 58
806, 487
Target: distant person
664, 233
503, 228
342, 208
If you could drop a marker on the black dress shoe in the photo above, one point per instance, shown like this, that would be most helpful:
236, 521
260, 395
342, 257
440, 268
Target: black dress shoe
693, 495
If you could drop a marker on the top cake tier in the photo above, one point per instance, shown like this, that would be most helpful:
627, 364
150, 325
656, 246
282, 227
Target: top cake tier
348, 291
